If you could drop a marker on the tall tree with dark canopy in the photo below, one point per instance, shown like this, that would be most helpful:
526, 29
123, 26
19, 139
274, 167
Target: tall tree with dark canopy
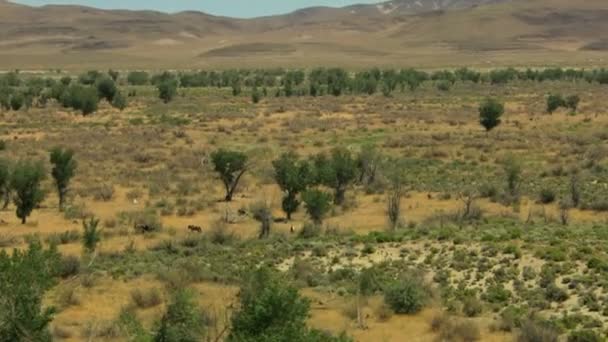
25, 183
64, 167
231, 166
293, 176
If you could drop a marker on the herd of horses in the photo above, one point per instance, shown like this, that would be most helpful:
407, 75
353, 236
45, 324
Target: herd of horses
146, 228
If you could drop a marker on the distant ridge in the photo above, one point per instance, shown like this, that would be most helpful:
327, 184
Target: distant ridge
399, 32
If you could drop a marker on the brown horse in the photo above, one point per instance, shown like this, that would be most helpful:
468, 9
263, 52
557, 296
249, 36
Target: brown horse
195, 229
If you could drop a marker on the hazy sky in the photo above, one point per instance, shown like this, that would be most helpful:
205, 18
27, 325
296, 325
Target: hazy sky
233, 8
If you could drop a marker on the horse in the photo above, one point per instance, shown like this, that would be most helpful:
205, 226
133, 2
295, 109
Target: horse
195, 229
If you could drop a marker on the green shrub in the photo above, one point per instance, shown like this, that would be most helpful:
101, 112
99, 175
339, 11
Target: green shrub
91, 235
555, 294
572, 102
271, 310
407, 295
16, 102
25, 276
554, 102
145, 299
106, 89
182, 321
464, 331
138, 78
69, 266
532, 331
511, 318
497, 294
309, 231
167, 90
472, 307
490, 112
584, 336
80, 98
444, 85
120, 101
220, 234
546, 196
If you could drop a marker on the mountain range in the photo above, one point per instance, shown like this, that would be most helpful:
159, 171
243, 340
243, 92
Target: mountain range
417, 33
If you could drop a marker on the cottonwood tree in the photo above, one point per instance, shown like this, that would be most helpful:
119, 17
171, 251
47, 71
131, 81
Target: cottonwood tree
337, 172
293, 176
106, 88
25, 184
318, 204
167, 90
490, 112
64, 167
24, 278
231, 166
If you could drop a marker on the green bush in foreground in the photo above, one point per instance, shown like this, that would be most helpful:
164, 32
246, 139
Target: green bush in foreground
271, 310
24, 278
183, 321
585, 336
407, 295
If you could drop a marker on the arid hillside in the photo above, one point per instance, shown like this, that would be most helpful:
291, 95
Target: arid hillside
401, 33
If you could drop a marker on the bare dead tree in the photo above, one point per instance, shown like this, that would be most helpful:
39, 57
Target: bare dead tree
467, 198
394, 206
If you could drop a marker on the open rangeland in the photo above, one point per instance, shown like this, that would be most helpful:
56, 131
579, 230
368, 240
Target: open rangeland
499, 235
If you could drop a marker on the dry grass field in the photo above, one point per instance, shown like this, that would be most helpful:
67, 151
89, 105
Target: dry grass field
486, 273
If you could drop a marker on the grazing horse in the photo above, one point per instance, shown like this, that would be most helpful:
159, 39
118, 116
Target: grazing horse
143, 228
195, 229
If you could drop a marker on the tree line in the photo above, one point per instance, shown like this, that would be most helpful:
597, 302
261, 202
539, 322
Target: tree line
84, 92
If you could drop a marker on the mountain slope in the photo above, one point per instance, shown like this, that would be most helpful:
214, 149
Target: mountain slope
399, 32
